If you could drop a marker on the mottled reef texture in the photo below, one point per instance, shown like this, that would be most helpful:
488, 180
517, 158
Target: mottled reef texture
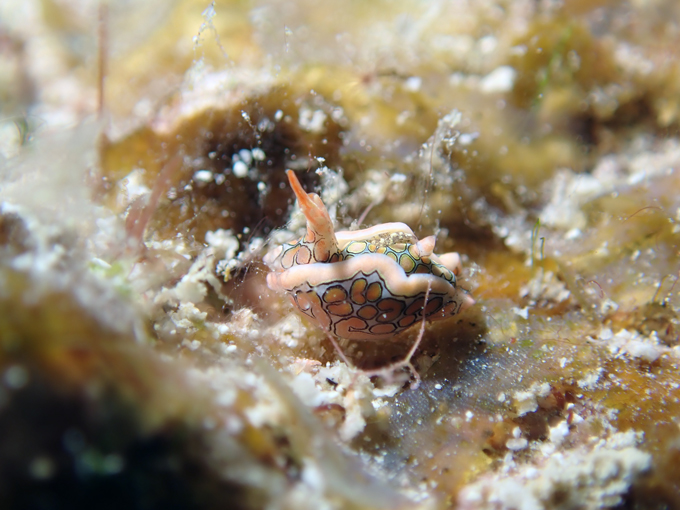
145, 364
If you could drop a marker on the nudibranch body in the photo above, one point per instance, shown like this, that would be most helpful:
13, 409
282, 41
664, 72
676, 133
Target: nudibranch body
366, 284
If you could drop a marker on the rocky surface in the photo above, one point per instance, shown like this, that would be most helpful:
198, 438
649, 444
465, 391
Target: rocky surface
144, 362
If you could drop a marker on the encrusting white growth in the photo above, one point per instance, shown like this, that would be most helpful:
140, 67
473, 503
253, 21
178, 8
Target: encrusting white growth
595, 476
633, 345
525, 401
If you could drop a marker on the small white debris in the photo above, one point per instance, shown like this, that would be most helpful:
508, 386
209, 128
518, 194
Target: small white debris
240, 169
312, 120
590, 380
223, 242
468, 415
576, 419
606, 334
96, 261
525, 401
203, 176
501, 79
304, 387
646, 351
187, 315
603, 249
132, 187
258, 154
403, 117
487, 44
466, 139
559, 432
413, 83
572, 234
246, 156
519, 50
233, 425
191, 345
516, 444
312, 476
608, 306
545, 286
522, 312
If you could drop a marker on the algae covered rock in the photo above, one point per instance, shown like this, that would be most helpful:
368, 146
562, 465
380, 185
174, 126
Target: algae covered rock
145, 363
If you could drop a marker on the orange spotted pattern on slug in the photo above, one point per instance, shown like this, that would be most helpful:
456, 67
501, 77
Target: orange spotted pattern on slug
364, 285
